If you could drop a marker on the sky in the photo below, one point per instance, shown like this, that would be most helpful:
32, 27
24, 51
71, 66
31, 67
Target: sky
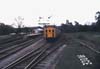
82, 11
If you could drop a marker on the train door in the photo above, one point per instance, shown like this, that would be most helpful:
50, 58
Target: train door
49, 32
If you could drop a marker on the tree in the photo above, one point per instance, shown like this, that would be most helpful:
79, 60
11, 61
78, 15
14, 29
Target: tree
77, 26
6, 29
97, 17
19, 21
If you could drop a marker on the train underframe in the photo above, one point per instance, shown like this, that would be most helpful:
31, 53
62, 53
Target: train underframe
51, 39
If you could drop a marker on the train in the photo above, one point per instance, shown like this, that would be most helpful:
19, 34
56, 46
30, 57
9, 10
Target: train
34, 33
51, 33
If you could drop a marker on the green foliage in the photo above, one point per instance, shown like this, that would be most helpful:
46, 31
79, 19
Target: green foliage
6, 29
94, 27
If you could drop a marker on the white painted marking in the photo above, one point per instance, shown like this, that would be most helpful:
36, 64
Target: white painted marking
91, 63
84, 60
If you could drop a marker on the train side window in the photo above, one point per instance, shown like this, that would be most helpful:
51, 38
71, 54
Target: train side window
45, 30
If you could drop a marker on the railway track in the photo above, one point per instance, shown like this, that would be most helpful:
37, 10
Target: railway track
10, 44
11, 39
4, 37
26, 59
41, 57
13, 49
34, 57
15, 42
89, 45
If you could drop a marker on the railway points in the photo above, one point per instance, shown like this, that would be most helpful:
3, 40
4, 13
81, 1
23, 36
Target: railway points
51, 60
80, 54
19, 54
7, 63
11, 50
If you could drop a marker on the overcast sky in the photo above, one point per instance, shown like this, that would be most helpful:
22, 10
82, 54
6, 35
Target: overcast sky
80, 10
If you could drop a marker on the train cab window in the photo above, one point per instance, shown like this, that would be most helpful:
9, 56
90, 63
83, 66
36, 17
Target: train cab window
52, 30
49, 30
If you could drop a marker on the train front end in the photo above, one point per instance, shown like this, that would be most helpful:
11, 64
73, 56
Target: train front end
50, 33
